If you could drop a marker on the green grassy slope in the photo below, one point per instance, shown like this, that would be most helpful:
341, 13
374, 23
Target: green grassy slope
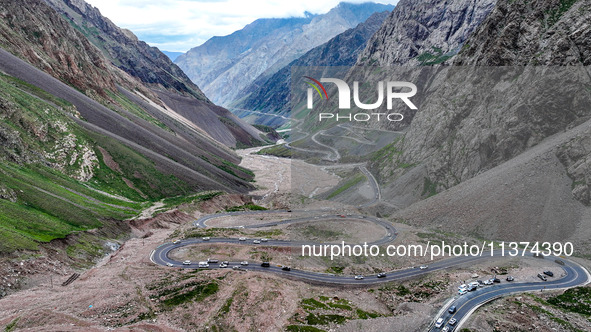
46, 191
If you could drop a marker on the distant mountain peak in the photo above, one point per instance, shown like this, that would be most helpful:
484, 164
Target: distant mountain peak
224, 66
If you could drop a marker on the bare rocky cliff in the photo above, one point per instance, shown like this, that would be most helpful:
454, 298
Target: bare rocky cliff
32, 30
125, 50
516, 33
424, 32
540, 32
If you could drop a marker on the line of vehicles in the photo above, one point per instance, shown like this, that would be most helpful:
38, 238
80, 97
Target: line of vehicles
256, 241
470, 287
383, 274
207, 238
225, 264
450, 325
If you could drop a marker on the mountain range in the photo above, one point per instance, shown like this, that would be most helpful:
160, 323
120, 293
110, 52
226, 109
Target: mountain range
224, 66
271, 95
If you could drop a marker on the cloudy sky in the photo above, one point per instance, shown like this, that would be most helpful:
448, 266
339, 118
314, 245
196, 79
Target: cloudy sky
178, 25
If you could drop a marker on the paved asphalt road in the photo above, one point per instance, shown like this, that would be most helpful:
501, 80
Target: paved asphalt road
575, 275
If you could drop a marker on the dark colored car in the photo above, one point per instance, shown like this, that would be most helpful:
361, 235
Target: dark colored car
286, 268
497, 280
549, 273
265, 264
452, 309
510, 278
381, 275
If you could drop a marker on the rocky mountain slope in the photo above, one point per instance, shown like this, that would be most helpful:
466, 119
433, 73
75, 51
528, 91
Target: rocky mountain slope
509, 174
156, 71
424, 32
89, 135
272, 95
503, 40
224, 66
123, 48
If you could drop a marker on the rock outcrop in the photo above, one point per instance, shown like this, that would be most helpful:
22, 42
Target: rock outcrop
32, 30
125, 50
424, 32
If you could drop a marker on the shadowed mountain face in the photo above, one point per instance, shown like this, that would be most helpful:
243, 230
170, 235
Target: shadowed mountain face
272, 95
456, 147
224, 66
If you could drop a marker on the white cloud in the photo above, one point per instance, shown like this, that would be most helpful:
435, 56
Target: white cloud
177, 25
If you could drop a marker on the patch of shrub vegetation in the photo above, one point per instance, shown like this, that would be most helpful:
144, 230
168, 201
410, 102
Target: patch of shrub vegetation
196, 292
576, 300
246, 207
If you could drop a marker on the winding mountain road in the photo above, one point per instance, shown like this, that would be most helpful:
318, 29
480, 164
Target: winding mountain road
574, 274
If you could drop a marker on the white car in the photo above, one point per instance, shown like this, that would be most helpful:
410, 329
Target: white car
206, 238
445, 329
264, 240
359, 277
223, 265
424, 267
169, 264
203, 264
242, 239
187, 263
452, 322
244, 263
177, 242
439, 323
463, 286
462, 291
256, 241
